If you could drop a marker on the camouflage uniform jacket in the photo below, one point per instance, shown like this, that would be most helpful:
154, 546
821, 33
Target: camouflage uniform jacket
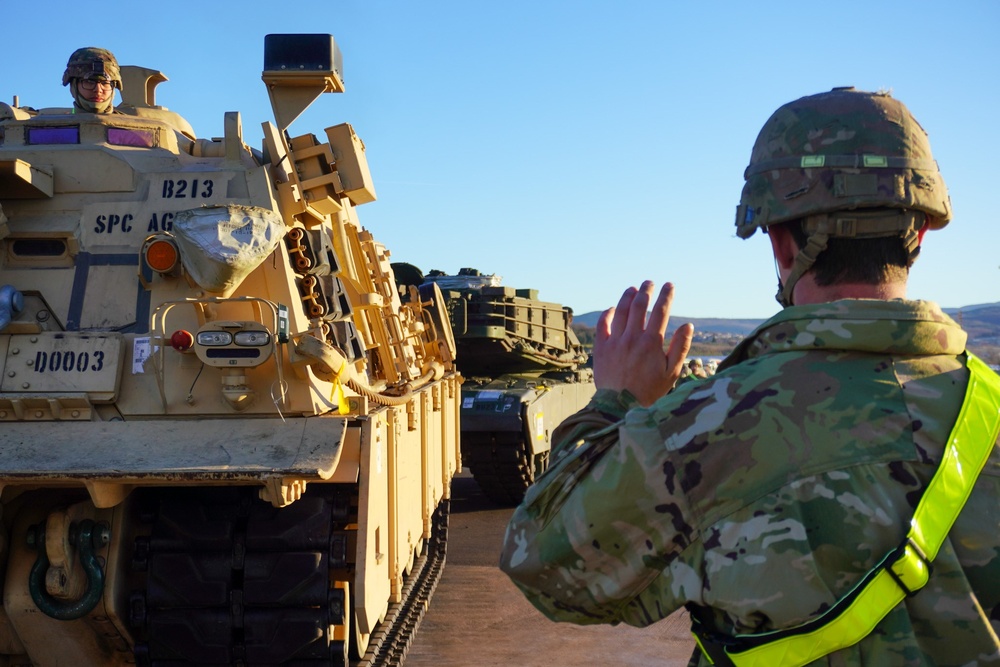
760, 495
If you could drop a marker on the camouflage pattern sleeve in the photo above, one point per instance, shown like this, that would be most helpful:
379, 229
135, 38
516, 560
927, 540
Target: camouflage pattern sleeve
565, 547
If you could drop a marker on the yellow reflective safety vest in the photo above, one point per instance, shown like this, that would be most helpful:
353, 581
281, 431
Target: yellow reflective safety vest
903, 571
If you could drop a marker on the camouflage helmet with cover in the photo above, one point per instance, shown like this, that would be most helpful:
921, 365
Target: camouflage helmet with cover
848, 164
93, 64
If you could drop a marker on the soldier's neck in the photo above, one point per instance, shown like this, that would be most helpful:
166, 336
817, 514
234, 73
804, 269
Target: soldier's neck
808, 292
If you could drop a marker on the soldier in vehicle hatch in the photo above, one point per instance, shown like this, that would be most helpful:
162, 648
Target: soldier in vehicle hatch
92, 75
830, 496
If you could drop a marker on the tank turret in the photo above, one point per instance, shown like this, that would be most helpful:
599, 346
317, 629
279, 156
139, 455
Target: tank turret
525, 371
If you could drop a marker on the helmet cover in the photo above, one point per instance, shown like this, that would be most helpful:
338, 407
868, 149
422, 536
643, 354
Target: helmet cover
841, 150
93, 64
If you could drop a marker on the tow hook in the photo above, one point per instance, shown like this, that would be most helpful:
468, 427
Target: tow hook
87, 536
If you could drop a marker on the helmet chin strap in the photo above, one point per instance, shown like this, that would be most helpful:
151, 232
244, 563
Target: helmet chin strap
803, 261
851, 224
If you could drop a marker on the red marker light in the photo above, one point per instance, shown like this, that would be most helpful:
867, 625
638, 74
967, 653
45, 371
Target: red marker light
181, 340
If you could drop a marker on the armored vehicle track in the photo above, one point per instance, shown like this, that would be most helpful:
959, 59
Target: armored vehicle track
226, 579
501, 463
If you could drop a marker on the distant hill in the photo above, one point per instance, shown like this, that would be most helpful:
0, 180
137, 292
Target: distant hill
981, 321
713, 324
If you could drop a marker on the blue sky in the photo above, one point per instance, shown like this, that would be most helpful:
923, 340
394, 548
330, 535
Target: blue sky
574, 147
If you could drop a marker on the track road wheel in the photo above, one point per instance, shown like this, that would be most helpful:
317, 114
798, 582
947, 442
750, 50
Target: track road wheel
347, 637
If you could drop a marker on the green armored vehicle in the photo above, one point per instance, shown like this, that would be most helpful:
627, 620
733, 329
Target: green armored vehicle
525, 371
224, 437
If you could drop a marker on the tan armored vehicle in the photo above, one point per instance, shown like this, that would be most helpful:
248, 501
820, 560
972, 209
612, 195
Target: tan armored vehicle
225, 438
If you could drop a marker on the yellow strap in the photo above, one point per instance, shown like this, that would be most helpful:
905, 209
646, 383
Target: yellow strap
337, 392
966, 452
964, 457
873, 603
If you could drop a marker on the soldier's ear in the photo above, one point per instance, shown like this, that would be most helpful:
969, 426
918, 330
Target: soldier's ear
783, 245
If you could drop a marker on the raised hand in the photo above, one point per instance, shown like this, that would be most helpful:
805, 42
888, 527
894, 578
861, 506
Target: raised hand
628, 349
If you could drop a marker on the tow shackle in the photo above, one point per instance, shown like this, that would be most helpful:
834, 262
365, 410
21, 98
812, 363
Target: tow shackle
89, 537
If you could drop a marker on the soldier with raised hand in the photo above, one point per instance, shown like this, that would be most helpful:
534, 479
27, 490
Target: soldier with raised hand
832, 494
92, 75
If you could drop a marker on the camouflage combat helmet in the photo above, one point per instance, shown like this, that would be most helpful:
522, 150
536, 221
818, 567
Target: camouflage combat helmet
95, 64
850, 164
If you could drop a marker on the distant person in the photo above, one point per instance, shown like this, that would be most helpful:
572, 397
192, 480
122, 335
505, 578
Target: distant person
92, 75
692, 370
813, 501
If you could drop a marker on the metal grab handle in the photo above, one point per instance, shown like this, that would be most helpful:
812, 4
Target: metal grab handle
64, 610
